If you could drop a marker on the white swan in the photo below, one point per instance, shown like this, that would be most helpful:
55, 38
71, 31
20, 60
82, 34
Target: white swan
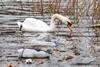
32, 24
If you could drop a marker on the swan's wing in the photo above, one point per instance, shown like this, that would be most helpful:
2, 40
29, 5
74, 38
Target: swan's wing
29, 21
35, 24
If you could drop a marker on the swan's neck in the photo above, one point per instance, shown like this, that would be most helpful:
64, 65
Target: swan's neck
52, 24
57, 16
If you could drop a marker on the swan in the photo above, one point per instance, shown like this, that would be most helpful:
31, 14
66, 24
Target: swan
32, 24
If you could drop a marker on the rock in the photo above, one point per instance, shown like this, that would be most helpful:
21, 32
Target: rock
68, 57
32, 53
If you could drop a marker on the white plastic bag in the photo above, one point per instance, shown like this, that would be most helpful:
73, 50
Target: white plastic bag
32, 53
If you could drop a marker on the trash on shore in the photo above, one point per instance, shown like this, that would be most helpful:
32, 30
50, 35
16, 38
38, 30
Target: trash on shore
8, 65
28, 61
68, 57
31, 53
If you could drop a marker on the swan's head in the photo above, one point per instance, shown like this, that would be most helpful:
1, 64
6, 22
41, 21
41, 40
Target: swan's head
19, 25
69, 24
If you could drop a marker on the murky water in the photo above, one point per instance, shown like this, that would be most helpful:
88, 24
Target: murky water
83, 39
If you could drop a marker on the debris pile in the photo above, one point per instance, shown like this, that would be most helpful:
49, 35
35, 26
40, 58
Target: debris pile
30, 53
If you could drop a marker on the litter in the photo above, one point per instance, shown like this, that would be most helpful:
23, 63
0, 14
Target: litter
31, 53
29, 61
68, 57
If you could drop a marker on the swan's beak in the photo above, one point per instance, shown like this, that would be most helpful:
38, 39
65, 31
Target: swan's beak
69, 25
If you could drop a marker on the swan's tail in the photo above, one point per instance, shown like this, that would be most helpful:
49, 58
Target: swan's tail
19, 23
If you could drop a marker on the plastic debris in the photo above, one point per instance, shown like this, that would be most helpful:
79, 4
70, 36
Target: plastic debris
29, 61
32, 53
68, 57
